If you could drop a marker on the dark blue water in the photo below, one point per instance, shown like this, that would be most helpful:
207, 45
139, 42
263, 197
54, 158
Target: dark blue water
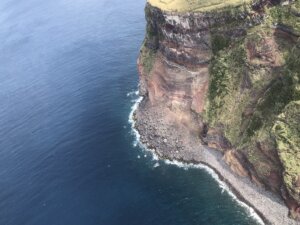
66, 148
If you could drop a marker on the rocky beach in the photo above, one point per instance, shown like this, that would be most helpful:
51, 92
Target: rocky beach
220, 87
174, 143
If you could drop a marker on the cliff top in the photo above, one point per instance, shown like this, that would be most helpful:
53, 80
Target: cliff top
194, 5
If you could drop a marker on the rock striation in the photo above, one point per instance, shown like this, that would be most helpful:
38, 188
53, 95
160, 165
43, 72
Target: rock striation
221, 87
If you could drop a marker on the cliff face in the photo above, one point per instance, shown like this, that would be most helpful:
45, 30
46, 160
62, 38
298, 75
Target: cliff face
228, 78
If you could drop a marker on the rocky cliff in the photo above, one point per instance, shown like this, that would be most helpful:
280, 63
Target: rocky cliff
225, 75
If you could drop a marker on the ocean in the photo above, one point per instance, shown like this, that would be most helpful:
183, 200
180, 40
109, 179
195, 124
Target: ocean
68, 154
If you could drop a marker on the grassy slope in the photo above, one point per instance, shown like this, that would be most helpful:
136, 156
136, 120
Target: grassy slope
287, 133
194, 5
248, 114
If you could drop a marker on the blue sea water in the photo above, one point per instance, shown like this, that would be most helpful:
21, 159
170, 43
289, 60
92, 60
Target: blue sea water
67, 153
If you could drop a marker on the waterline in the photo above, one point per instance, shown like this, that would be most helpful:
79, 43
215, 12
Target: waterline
223, 186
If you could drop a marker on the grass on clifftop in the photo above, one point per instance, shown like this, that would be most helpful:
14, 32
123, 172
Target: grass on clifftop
194, 5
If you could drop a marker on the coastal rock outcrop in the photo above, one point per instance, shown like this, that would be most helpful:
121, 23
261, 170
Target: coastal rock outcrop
225, 76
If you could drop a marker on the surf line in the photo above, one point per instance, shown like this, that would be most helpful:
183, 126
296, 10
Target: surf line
224, 187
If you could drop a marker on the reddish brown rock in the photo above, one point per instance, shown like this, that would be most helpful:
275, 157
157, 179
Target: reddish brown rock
264, 52
231, 159
175, 92
214, 138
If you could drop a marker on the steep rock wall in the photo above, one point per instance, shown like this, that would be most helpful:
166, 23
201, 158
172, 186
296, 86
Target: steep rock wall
226, 76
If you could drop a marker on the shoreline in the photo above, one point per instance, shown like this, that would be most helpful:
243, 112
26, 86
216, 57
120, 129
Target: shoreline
264, 206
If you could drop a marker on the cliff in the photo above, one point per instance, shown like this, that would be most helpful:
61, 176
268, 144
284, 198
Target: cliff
225, 74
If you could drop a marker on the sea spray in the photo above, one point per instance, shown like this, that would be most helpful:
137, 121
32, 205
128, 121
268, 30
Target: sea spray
223, 186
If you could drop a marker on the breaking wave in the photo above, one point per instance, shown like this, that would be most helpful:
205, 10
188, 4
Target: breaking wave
223, 186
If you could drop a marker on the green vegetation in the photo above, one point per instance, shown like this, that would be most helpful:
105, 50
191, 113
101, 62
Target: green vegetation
275, 98
219, 42
254, 89
254, 93
147, 57
287, 133
287, 16
227, 68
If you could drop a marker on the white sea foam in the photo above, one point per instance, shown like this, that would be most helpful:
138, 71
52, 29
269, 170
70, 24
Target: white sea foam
135, 133
224, 187
132, 122
132, 93
156, 165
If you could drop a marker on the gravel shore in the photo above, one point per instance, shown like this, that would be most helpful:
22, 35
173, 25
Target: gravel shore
174, 142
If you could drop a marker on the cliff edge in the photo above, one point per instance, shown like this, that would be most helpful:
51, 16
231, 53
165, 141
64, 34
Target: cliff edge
220, 81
